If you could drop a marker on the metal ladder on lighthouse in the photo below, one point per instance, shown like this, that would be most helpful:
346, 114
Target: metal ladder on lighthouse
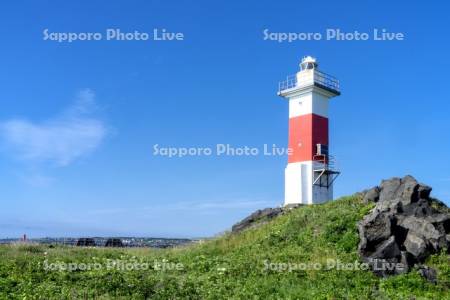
324, 169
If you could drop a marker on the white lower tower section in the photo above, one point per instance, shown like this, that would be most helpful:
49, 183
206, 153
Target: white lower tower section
299, 184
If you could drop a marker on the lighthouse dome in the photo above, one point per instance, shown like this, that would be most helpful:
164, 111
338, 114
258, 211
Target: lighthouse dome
308, 63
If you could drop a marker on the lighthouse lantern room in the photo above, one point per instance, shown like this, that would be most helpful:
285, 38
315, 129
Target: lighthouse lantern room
311, 170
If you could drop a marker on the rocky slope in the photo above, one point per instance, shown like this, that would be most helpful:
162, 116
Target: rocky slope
261, 216
401, 231
257, 218
404, 228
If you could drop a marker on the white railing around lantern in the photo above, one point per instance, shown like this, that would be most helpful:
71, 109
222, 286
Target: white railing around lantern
318, 77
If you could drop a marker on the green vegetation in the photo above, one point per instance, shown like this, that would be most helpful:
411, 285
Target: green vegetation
240, 266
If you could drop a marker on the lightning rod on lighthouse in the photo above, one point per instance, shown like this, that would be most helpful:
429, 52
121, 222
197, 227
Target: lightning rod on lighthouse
311, 171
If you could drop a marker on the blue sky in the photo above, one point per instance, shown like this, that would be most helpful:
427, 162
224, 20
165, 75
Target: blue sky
79, 120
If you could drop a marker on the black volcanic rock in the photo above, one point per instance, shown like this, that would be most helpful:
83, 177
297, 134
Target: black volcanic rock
404, 228
258, 217
85, 242
428, 273
415, 245
113, 242
372, 195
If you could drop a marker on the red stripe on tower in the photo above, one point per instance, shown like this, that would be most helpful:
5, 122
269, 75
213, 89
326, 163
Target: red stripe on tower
305, 132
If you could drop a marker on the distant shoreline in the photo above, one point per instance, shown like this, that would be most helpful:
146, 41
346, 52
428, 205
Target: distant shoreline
128, 242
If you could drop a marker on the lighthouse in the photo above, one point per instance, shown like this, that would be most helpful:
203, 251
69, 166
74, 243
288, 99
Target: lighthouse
311, 171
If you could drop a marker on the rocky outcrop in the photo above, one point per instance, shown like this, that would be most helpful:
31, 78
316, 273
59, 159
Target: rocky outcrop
404, 228
262, 216
85, 242
257, 218
113, 242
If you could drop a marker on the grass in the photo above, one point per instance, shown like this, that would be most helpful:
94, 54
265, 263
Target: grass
242, 266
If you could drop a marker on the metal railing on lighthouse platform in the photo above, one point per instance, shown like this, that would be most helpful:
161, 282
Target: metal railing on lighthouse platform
315, 77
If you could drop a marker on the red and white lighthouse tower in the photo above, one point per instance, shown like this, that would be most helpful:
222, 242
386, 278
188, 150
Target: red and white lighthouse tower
310, 171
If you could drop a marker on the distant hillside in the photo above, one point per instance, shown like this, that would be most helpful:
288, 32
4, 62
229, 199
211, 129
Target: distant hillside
289, 257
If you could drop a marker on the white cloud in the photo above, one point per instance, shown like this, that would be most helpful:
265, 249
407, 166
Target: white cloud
59, 140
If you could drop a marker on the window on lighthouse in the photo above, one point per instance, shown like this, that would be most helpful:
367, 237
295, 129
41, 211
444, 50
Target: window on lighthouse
308, 66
